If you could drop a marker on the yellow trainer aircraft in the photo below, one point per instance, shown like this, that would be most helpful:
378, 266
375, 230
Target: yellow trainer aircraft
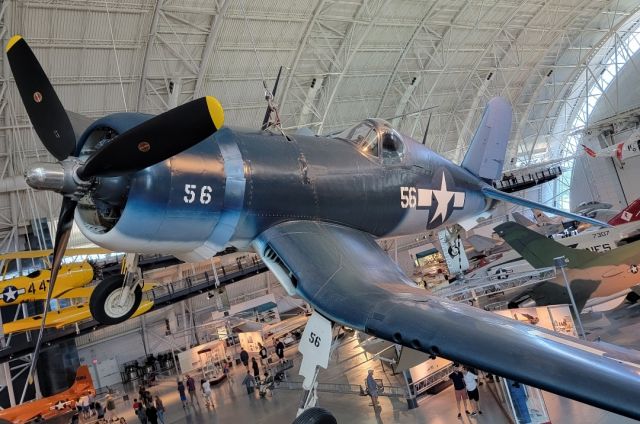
72, 283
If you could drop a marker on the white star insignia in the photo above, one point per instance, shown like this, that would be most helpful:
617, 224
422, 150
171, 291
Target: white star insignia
443, 197
59, 405
10, 294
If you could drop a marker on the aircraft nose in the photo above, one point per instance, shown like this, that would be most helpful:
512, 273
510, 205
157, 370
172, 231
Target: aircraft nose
45, 176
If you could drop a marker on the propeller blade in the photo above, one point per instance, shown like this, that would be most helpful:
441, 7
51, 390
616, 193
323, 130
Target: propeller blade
267, 114
156, 140
65, 222
45, 110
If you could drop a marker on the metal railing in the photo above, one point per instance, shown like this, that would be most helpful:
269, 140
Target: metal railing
351, 389
431, 380
487, 286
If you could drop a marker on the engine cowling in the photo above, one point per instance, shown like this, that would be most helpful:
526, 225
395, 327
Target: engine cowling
175, 207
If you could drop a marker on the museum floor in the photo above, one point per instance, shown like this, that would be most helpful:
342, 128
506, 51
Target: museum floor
233, 405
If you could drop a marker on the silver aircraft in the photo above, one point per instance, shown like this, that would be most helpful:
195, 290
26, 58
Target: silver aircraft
312, 207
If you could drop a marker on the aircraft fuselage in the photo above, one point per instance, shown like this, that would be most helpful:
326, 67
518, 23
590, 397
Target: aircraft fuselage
235, 184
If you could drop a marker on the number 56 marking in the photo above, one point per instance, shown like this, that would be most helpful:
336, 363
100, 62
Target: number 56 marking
408, 197
190, 196
314, 339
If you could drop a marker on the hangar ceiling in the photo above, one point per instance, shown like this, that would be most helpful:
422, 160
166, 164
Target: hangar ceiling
343, 61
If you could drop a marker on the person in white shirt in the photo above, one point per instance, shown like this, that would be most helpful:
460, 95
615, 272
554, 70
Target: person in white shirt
471, 381
84, 405
206, 392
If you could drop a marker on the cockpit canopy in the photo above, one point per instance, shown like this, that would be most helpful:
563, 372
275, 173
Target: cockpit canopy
375, 138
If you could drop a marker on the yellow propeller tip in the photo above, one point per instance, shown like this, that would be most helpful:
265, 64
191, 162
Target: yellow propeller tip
216, 111
13, 40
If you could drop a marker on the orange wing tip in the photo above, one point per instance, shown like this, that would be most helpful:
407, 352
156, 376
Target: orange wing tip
216, 111
13, 40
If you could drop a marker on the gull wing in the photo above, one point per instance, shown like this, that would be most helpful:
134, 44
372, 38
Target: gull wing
349, 279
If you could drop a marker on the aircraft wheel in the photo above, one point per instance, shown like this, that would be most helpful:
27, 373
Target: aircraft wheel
105, 301
632, 297
315, 415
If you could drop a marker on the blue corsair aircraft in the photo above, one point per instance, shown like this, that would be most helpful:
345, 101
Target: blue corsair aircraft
312, 207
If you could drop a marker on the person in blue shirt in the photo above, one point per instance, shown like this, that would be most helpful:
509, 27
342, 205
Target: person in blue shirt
372, 388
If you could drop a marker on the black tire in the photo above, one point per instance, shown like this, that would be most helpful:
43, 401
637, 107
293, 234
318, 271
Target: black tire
99, 297
315, 415
632, 297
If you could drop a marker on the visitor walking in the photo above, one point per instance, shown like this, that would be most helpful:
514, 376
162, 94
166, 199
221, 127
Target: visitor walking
256, 369
249, 382
372, 388
183, 394
263, 355
191, 387
152, 414
160, 409
244, 357
471, 383
280, 350
460, 388
138, 408
110, 406
206, 392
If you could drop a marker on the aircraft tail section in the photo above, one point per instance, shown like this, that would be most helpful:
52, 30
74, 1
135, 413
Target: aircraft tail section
495, 194
538, 250
590, 151
629, 214
541, 218
83, 382
612, 151
485, 157
522, 220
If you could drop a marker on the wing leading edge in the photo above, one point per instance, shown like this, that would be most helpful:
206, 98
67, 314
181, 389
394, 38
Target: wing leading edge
349, 279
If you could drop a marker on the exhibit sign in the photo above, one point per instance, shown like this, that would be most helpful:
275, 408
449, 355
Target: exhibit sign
556, 317
249, 341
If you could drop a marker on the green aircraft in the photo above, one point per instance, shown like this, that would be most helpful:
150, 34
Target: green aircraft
593, 277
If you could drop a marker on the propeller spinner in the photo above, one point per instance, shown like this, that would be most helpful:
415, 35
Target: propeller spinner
151, 142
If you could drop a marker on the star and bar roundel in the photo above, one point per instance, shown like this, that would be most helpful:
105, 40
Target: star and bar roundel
439, 200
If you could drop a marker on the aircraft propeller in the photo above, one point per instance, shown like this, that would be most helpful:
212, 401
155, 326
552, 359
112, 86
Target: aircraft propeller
151, 142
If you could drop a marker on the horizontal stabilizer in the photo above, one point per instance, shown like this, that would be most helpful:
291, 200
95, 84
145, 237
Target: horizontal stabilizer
522, 220
481, 243
538, 250
492, 193
485, 157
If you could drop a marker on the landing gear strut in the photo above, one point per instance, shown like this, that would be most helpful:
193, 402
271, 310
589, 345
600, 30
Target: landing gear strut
116, 298
315, 347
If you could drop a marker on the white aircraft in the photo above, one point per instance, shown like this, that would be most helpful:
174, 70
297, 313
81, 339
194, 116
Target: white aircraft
623, 150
